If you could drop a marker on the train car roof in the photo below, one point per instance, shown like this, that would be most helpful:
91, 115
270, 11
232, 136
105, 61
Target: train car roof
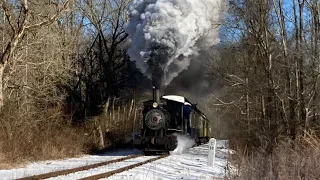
184, 101
179, 99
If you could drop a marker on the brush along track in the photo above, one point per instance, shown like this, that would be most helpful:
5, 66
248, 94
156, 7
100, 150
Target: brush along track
110, 173
73, 170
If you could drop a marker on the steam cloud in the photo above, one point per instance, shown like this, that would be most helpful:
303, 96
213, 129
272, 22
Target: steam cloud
184, 143
172, 32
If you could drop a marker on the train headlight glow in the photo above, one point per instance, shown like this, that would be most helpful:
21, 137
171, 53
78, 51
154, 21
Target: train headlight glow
155, 105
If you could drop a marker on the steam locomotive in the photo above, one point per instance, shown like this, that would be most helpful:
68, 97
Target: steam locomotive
167, 116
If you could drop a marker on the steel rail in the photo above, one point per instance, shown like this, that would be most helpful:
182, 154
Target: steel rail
73, 170
110, 173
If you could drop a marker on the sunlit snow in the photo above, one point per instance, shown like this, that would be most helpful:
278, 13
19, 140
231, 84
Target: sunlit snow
190, 164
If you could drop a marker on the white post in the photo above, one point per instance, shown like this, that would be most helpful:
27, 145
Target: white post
212, 152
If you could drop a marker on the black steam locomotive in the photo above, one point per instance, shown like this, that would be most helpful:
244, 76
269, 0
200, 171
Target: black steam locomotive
166, 116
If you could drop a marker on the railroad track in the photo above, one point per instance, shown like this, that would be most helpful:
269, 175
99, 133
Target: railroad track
92, 166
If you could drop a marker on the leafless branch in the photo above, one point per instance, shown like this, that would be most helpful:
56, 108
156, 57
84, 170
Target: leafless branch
51, 19
9, 15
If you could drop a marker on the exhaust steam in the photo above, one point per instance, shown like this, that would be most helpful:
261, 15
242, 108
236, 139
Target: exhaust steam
167, 34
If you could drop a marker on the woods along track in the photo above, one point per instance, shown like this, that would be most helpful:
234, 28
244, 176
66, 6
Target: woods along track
83, 171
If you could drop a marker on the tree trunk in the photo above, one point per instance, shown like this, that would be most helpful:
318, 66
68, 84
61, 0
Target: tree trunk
300, 64
289, 91
316, 28
1, 84
248, 106
294, 123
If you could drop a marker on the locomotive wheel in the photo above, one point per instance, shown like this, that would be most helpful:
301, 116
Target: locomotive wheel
198, 142
147, 153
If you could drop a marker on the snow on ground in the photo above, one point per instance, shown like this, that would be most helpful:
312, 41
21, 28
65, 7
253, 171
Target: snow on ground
192, 164
50, 166
103, 169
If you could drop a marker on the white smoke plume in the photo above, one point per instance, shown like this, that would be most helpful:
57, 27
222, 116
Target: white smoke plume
184, 143
180, 28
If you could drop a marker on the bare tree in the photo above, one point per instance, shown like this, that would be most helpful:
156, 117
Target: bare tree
108, 19
20, 24
276, 54
103, 65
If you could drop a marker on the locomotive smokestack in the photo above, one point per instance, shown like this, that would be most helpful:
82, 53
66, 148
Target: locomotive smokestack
156, 95
156, 84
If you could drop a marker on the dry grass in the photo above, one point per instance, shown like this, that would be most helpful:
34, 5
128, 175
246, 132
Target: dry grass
41, 134
4, 164
116, 124
28, 136
298, 159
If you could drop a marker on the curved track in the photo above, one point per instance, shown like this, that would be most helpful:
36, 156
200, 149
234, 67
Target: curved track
97, 165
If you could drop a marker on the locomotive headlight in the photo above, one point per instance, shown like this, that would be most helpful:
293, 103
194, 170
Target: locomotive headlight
155, 105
